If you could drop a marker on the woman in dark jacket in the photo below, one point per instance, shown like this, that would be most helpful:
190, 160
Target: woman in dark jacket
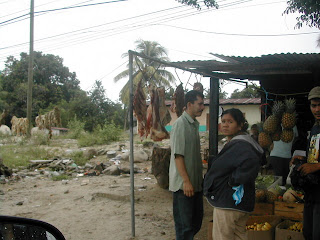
229, 183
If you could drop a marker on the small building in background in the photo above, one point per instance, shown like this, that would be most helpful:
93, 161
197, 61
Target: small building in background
249, 106
57, 131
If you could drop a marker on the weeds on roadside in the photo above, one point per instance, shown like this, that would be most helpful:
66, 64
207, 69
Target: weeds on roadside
101, 135
61, 177
76, 128
15, 157
79, 158
40, 139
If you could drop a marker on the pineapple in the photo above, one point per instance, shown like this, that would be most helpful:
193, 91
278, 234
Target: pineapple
287, 135
260, 195
264, 140
276, 136
288, 120
270, 197
273, 121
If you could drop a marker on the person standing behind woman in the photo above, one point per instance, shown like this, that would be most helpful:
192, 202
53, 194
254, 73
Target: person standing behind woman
229, 183
280, 157
185, 171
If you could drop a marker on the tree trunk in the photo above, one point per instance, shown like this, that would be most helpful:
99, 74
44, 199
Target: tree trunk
160, 165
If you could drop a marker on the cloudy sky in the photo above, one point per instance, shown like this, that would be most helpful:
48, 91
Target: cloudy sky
92, 37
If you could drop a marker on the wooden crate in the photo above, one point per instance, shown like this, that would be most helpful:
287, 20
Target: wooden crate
263, 235
263, 209
293, 211
283, 233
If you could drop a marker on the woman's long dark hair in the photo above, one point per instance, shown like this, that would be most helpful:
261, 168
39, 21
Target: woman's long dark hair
237, 115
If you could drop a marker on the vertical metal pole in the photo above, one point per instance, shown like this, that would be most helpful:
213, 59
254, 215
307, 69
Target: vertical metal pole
213, 118
30, 70
131, 142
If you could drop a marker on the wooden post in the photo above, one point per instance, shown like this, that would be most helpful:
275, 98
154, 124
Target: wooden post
160, 165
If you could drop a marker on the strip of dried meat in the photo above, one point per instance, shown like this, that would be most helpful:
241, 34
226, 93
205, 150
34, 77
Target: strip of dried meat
179, 100
140, 109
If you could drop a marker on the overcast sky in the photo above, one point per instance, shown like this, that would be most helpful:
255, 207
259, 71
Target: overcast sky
91, 39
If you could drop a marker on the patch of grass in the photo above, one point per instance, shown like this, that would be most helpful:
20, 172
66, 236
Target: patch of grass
40, 139
101, 135
79, 158
14, 156
147, 143
88, 139
60, 177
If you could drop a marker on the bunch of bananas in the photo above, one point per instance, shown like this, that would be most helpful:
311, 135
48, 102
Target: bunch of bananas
297, 227
259, 226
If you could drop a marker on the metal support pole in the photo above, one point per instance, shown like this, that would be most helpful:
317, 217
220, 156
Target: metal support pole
131, 142
30, 71
213, 119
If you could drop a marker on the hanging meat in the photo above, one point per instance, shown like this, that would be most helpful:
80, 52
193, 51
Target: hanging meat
198, 86
140, 109
150, 110
177, 103
158, 131
165, 116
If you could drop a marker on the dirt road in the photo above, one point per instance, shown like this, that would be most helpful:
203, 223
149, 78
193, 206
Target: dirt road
96, 207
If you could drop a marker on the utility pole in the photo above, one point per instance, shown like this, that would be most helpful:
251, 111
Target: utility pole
30, 71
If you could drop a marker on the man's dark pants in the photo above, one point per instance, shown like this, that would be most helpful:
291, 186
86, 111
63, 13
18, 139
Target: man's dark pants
187, 214
311, 220
280, 167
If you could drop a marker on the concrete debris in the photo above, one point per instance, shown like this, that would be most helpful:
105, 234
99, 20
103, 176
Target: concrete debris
116, 163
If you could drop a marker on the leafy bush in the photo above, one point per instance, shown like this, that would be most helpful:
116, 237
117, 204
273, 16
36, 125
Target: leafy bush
76, 128
101, 135
109, 133
79, 158
87, 139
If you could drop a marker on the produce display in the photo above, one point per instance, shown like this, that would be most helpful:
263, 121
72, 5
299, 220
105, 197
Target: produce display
279, 125
297, 227
267, 194
259, 227
264, 181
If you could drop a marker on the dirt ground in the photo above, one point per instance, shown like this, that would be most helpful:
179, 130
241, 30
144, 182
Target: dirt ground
97, 207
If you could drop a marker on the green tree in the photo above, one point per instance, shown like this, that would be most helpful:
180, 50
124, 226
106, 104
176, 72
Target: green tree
249, 92
52, 82
196, 3
150, 71
309, 10
104, 109
54, 86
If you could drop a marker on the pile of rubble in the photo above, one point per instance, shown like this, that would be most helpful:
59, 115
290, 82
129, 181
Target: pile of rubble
113, 162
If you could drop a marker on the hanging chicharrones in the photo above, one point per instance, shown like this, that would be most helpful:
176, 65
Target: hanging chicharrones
177, 103
140, 109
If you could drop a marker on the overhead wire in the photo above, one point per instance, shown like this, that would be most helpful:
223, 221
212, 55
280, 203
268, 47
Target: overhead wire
64, 8
96, 26
132, 26
239, 34
74, 37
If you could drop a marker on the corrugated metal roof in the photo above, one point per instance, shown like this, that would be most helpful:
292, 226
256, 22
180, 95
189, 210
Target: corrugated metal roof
254, 67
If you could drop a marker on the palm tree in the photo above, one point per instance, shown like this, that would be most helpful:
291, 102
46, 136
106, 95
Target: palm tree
149, 71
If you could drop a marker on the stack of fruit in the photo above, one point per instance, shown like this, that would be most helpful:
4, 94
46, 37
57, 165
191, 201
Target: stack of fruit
265, 196
259, 226
280, 124
297, 227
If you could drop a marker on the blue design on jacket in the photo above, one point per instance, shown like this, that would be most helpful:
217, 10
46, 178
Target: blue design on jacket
238, 194
237, 163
